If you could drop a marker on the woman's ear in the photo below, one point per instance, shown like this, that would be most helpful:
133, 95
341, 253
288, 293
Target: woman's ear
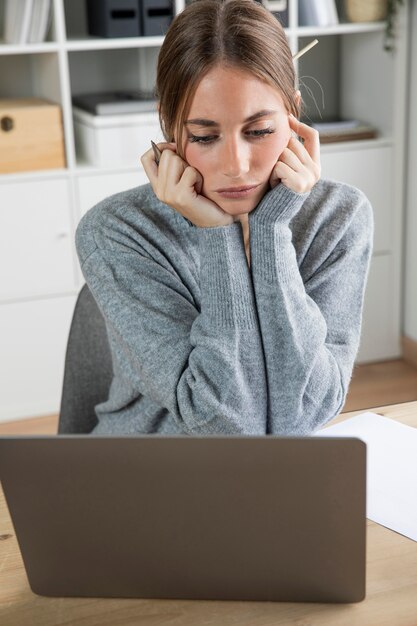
297, 99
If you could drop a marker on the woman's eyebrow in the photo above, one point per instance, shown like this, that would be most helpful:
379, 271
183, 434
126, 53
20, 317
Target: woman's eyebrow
251, 118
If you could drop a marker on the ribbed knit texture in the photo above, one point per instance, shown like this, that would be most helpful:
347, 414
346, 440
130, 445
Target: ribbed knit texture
228, 296
201, 343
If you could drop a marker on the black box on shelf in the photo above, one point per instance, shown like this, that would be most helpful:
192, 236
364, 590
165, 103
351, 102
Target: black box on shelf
279, 8
156, 16
114, 18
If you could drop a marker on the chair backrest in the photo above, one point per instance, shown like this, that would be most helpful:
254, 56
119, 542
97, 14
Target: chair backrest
88, 367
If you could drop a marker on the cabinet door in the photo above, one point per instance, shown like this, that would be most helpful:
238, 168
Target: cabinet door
36, 256
33, 339
379, 337
369, 169
93, 188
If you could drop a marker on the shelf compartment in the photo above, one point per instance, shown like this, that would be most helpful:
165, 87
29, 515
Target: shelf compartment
51, 34
112, 70
34, 75
78, 37
339, 71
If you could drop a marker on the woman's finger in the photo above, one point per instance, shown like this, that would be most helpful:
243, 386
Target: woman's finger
310, 135
151, 169
292, 179
148, 158
195, 207
297, 147
186, 189
291, 159
170, 170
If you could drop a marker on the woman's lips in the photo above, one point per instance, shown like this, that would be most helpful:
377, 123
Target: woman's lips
238, 192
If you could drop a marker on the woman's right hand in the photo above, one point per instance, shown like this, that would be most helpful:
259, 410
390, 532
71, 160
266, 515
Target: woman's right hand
178, 184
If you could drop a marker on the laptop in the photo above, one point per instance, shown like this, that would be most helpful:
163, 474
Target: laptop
208, 517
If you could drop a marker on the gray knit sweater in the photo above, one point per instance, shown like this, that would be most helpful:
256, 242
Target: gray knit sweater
203, 344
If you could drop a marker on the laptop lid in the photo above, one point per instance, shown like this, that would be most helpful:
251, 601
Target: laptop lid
226, 518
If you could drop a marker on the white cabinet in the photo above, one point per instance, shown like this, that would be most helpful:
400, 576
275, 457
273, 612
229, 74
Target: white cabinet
93, 188
368, 168
348, 74
33, 337
379, 334
410, 279
36, 234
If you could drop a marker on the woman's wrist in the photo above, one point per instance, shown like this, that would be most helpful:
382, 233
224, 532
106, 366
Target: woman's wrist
279, 204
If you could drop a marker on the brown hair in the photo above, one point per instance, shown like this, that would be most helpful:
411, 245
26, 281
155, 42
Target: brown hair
234, 33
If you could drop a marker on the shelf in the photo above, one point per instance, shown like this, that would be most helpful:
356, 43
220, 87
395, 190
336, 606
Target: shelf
83, 168
96, 43
29, 48
338, 146
339, 29
31, 175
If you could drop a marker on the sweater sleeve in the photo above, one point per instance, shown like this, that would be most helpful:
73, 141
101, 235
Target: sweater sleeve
206, 367
310, 328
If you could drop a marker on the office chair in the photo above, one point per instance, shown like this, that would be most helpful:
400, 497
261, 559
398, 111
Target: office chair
88, 367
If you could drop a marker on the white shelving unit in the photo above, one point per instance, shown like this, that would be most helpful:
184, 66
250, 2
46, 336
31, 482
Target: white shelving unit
39, 211
410, 278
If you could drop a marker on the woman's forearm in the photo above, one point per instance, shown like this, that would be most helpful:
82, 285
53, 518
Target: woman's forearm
202, 361
310, 318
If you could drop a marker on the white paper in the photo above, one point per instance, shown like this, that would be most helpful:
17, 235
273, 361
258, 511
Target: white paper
391, 495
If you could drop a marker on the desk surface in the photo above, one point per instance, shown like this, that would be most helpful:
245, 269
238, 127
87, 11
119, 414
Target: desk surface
391, 588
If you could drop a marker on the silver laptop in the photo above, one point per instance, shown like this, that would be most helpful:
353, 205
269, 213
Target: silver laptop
225, 518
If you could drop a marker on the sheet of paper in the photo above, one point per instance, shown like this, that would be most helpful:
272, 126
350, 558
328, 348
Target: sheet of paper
391, 498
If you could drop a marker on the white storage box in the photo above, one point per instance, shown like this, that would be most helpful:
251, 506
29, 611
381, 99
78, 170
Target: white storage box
115, 140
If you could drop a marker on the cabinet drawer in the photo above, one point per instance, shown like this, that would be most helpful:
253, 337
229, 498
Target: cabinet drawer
93, 188
380, 334
369, 169
36, 255
33, 339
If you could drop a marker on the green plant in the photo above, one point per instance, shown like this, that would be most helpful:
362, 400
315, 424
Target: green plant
390, 23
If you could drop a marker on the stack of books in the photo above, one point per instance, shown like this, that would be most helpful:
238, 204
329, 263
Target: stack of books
344, 130
26, 21
116, 102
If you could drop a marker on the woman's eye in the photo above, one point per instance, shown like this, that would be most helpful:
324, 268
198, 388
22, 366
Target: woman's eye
206, 139
261, 133
203, 139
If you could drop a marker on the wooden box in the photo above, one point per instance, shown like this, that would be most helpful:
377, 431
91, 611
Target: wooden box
31, 135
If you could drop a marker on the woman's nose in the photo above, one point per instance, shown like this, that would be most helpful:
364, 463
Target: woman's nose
235, 158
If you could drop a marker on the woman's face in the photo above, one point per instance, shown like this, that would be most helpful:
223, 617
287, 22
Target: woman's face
228, 150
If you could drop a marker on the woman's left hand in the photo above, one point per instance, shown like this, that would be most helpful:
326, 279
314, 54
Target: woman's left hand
298, 166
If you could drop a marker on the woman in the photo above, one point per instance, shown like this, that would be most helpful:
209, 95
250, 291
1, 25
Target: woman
206, 339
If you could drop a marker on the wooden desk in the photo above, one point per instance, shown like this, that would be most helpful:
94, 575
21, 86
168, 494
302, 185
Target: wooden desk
391, 588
